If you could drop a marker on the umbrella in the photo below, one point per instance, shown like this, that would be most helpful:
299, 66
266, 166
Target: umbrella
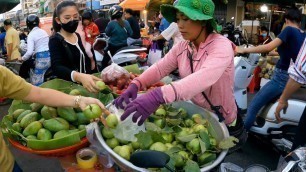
7, 5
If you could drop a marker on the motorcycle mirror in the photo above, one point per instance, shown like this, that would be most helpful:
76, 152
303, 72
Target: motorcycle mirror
150, 159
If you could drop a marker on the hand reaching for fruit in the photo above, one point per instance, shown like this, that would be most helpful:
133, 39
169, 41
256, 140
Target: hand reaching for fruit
88, 81
144, 106
130, 92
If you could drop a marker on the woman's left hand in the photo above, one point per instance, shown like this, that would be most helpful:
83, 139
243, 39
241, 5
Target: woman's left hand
144, 106
239, 50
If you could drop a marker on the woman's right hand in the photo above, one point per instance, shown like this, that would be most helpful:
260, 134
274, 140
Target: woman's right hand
130, 92
88, 81
239, 50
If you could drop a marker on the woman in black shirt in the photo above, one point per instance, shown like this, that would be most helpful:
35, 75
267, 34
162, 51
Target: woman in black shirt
68, 58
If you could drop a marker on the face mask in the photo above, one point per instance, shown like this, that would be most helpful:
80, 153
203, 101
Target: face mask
264, 34
71, 26
236, 36
225, 35
160, 16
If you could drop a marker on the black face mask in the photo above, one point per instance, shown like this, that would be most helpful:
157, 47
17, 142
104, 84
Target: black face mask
71, 26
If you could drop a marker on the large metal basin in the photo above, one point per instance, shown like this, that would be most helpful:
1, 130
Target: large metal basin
220, 128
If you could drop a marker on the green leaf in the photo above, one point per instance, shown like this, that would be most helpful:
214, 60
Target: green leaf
150, 126
156, 137
203, 146
170, 164
105, 98
191, 166
173, 150
133, 68
228, 142
172, 114
207, 158
144, 139
205, 138
174, 122
187, 138
167, 129
211, 131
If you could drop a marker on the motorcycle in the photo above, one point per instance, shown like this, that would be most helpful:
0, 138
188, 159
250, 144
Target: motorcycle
266, 127
124, 56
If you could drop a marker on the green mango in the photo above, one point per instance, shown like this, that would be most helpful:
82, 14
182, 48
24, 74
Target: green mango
82, 119
31, 137
67, 113
44, 134
16, 127
82, 127
36, 107
28, 119
23, 114
48, 112
17, 112
32, 128
56, 124
42, 120
61, 134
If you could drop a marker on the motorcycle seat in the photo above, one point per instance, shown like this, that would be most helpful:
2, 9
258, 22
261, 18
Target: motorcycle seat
128, 48
299, 95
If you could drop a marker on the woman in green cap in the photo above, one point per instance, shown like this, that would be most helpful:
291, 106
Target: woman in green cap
205, 61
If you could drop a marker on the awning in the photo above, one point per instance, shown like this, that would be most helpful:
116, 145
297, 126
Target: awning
7, 5
135, 4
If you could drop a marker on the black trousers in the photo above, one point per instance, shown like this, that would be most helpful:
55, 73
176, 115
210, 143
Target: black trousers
300, 138
24, 71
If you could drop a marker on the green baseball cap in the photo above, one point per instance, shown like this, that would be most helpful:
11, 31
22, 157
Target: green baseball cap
193, 9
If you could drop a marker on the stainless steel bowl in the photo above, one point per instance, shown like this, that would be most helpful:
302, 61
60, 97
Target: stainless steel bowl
220, 129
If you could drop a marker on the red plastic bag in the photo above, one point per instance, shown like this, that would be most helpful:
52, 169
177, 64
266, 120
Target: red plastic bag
115, 75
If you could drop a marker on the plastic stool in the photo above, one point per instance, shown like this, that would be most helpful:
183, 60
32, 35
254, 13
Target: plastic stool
255, 82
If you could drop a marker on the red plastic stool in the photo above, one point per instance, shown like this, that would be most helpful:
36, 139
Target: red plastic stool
255, 82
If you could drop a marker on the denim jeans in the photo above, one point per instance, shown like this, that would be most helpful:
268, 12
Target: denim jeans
266, 94
16, 168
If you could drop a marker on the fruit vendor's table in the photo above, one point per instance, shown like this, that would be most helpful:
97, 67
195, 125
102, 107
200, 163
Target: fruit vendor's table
69, 164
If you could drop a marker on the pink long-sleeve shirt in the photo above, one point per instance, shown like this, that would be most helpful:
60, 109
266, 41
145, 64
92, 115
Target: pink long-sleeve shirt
213, 73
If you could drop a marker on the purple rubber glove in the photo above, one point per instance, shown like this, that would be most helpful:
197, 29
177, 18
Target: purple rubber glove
130, 92
144, 106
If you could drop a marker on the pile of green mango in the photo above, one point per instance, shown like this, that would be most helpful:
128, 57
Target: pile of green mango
47, 123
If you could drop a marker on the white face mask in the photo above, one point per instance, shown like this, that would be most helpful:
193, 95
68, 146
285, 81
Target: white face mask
225, 35
160, 16
236, 35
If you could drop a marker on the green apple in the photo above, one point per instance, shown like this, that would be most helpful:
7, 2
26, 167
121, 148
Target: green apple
135, 145
199, 127
112, 143
167, 137
196, 117
161, 123
101, 85
194, 146
160, 112
178, 160
112, 121
107, 133
124, 152
189, 123
168, 145
92, 111
75, 92
158, 146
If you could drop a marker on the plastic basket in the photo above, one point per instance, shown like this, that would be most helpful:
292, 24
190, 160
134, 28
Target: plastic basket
55, 152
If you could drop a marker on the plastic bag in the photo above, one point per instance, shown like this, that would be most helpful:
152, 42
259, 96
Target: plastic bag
127, 129
104, 157
230, 167
154, 54
115, 75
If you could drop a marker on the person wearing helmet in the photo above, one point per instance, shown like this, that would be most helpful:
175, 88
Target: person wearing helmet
205, 61
91, 32
118, 30
37, 44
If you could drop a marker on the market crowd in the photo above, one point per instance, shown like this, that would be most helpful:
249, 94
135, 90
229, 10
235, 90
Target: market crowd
203, 58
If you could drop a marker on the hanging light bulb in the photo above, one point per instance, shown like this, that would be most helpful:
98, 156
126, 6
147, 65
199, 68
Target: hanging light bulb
264, 8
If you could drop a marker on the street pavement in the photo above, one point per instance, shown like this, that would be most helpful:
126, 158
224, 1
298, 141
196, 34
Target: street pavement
253, 152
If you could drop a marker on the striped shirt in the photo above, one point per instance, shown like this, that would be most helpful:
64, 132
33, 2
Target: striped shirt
297, 71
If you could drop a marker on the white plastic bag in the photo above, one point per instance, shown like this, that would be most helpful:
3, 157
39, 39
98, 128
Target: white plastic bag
127, 129
115, 75
154, 54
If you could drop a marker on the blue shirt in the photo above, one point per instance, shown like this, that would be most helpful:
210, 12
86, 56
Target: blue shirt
292, 40
117, 34
2, 38
164, 24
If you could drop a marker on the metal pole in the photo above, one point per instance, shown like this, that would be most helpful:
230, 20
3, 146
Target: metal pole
91, 5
